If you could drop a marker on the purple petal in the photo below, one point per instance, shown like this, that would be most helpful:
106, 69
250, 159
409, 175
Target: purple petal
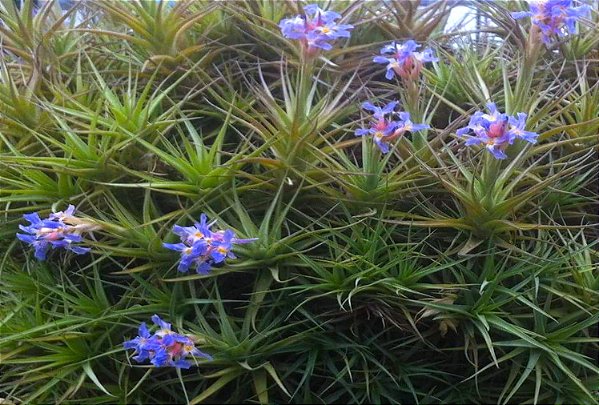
473, 141
79, 250
143, 330
381, 59
521, 14
182, 363
203, 268
383, 146
419, 127
390, 73
179, 247
496, 152
462, 131
34, 218
368, 106
41, 249
390, 107
159, 322
26, 238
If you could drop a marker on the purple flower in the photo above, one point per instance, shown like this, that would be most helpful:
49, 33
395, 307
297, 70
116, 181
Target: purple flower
409, 126
551, 16
517, 129
165, 327
165, 348
221, 247
403, 60
142, 344
189, 254
496, 130
54, 232
201, 247
62, 215
315, 29
380, 112
384, 128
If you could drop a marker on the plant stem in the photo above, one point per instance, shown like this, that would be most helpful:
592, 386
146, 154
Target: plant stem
294, 148
490, 173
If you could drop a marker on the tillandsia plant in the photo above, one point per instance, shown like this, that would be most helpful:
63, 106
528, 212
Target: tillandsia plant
38, 41
551, 20
161, 34
315, 31
494, 195
416, 19
496, 132
487, 187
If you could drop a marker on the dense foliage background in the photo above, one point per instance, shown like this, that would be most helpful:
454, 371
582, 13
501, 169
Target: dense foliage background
414, 277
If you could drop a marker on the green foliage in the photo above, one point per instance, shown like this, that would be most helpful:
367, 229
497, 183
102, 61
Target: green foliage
431, 274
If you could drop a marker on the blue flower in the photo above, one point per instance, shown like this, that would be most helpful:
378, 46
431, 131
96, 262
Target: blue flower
203, 267
191, 234
143, 344
164, 348
403, 60
62, 215
221, 248
54, 232
496, 130
189, 254
517, 129
189, 349
315, 29
384, 128
201, 247
380, 112
165, 327
408, 126
554, 17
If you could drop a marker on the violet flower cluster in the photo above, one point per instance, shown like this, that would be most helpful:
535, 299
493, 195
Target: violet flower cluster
496, 130
551, 16
403, 60
201, 247
164, 348
316, 29
60, 230
384, 128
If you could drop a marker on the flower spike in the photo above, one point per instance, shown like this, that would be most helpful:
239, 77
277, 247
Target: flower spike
496, 130
60, 230
200, 247
164, 348
403, 60
315, 29
383, 128
554, 17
